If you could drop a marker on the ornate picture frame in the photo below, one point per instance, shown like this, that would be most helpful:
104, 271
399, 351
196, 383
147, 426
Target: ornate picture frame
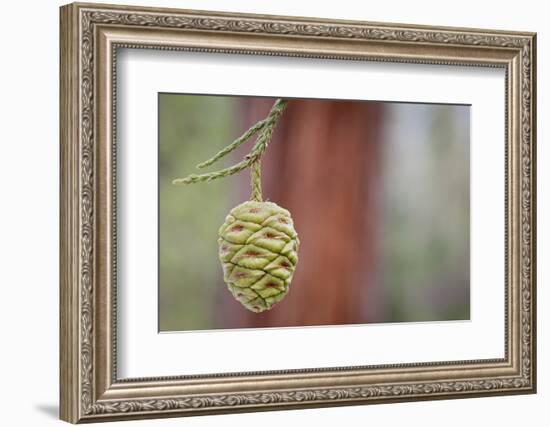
90, 37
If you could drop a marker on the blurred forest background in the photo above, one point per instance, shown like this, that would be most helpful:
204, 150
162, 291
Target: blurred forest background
379, 193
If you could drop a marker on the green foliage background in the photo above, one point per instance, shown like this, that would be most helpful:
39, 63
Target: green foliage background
425, 202
192, 129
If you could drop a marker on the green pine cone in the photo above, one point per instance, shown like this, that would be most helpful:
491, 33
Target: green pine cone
258, 252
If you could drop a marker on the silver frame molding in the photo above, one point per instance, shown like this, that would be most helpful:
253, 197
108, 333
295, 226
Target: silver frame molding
90, 37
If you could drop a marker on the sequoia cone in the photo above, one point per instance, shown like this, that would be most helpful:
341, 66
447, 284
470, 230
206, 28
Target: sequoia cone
258, 250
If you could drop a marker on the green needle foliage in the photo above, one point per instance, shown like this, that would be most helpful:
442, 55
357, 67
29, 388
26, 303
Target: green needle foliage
264, 129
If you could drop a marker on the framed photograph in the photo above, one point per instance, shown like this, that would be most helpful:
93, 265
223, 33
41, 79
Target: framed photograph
360, 228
